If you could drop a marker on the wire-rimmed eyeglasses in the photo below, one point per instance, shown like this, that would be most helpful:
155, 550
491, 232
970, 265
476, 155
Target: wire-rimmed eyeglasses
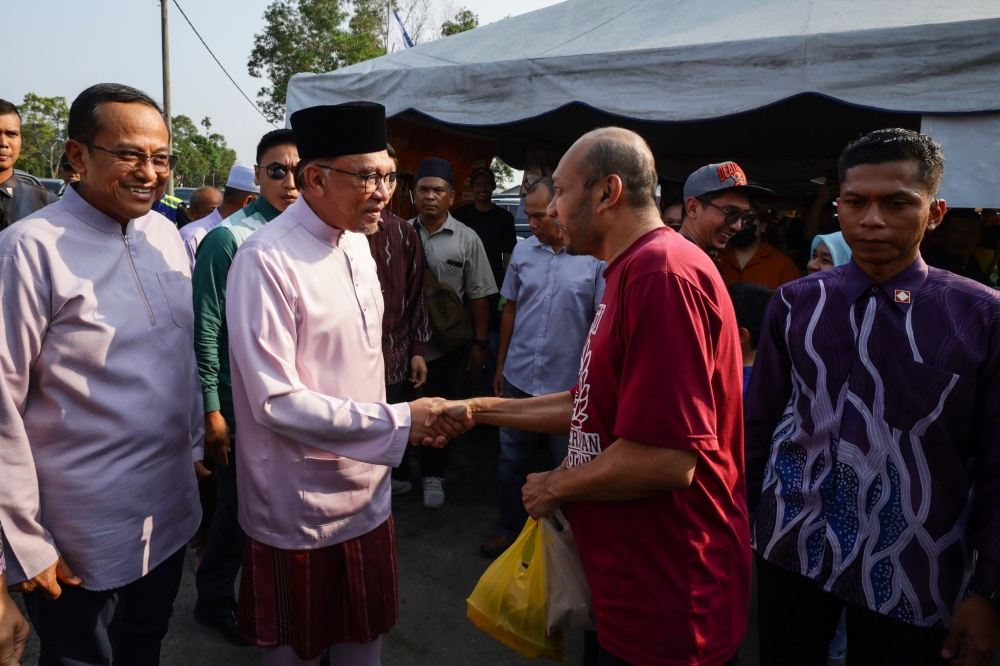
370, 180
162, 163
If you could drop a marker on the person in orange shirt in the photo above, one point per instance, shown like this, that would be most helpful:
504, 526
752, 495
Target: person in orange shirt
748, 257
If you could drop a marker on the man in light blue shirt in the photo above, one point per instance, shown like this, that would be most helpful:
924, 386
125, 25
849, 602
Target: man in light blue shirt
551, 300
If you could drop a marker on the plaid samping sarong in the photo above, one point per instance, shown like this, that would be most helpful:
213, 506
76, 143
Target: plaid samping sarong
311, 599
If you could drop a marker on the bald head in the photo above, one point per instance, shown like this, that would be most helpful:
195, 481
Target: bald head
203, 201
621, 152
605, 188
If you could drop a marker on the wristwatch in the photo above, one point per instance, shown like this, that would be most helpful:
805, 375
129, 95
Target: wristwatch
484, 343
992, 594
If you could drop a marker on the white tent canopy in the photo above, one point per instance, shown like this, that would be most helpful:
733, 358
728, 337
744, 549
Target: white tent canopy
687, 60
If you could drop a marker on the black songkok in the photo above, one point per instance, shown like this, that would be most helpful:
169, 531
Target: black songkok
436, 167
352, 128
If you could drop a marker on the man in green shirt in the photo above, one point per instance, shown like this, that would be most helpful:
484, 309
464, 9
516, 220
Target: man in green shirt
277, 157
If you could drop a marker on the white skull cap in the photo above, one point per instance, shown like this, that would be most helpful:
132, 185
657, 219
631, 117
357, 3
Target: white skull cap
241, 178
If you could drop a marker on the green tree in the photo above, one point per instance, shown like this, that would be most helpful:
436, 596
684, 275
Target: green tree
312, 36
367, 31
464, 20
43, 134
503, 174
203, 158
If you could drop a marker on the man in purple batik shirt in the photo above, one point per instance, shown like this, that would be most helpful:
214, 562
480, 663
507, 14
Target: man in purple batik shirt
873, 436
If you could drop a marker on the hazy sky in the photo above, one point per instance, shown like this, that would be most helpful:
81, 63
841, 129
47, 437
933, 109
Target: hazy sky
62, 46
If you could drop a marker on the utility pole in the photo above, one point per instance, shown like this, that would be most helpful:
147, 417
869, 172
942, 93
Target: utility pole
166, 88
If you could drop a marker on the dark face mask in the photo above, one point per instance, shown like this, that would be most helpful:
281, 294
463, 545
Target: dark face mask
745, 236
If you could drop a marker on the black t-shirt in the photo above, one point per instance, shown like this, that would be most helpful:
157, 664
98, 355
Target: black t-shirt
495, 228
991, 236
938, 258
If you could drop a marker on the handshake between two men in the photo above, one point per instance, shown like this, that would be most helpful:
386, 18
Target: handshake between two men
436, 421
624, 470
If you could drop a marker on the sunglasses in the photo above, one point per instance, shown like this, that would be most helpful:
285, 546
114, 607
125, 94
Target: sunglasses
747, 217
276, 170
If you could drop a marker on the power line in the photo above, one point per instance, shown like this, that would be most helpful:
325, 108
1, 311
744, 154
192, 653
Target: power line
256, 108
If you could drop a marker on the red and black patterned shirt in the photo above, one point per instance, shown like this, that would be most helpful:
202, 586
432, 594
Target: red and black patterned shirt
399, 261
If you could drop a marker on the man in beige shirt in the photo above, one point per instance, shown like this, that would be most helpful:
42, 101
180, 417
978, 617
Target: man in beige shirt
456, 255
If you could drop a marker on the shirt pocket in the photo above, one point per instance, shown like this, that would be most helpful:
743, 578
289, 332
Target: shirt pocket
579, 292
177, 289
451, 275
334, 489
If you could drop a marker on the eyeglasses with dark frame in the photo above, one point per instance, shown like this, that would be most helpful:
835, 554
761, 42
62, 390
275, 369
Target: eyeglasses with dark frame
276, 170
371, 180
162, 163
746, 217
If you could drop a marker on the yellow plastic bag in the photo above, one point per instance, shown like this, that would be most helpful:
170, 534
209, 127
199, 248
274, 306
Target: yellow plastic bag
509, 600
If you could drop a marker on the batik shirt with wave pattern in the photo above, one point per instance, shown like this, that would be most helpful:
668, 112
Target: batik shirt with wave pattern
873, 438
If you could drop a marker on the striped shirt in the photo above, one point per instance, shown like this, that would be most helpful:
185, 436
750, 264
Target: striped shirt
399, 262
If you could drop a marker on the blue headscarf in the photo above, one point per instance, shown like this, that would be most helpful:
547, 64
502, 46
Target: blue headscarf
839, 249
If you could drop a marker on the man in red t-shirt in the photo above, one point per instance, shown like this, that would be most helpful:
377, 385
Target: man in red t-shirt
654, 477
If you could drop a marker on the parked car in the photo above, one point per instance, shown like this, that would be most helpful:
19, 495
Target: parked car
184, 194
512, 204
24, 175
53, 185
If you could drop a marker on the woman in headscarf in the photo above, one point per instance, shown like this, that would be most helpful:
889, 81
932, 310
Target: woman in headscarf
828, 251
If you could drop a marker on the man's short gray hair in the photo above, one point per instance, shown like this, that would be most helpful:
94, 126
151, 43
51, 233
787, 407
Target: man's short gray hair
623, 153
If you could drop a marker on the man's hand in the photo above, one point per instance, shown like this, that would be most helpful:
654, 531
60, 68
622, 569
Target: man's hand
432, 428
49, 579
456, 410
978, 622
14, 629
418, 371
217, 438
829, 191
498, 382
477, 361
200, 471
539, 495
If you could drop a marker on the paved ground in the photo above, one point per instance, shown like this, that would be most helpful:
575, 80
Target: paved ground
438, 565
